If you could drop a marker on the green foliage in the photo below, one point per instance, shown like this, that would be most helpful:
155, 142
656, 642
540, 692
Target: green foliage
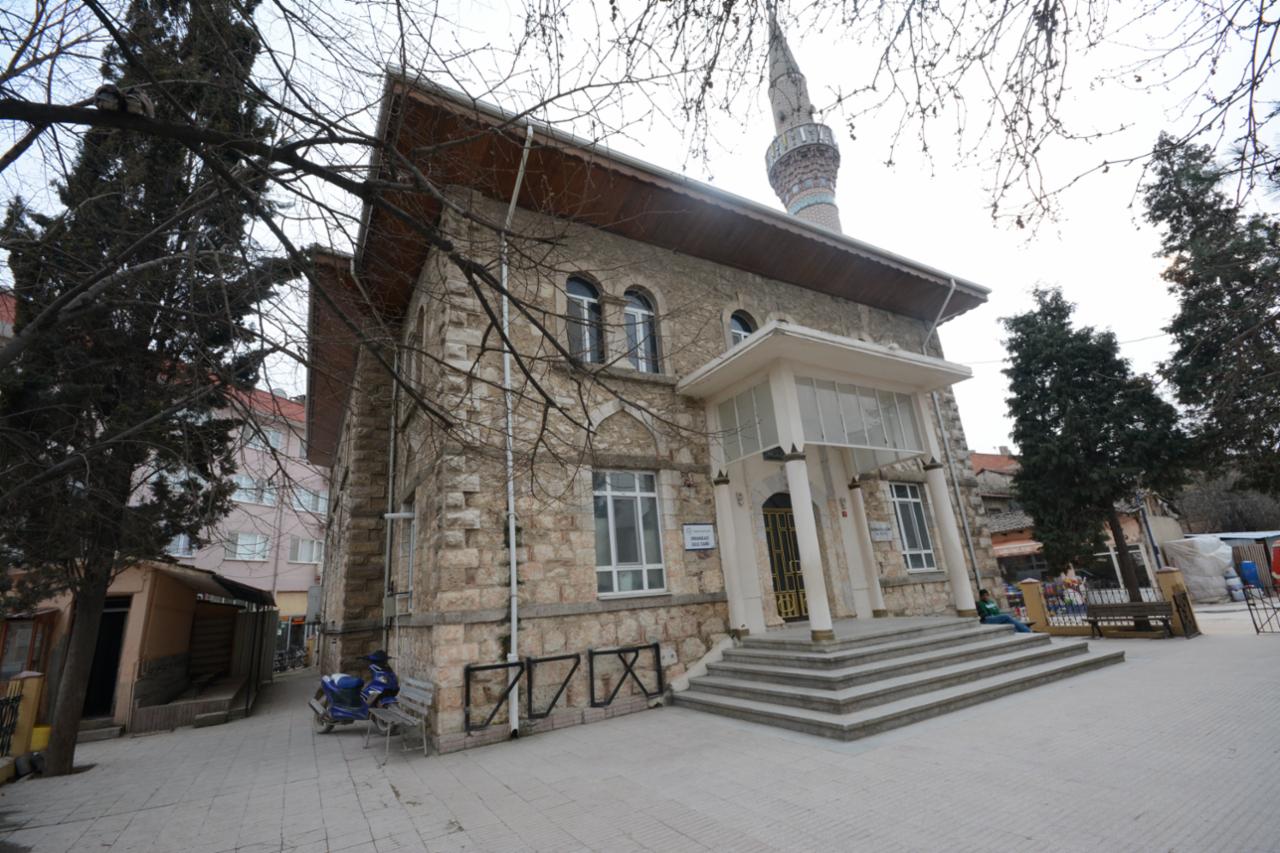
110, 437
1089, 432
1225, 270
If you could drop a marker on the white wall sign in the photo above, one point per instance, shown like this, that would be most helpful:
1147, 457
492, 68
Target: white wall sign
881, 531
699, 537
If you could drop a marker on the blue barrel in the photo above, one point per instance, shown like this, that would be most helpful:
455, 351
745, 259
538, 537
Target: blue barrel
1249, 573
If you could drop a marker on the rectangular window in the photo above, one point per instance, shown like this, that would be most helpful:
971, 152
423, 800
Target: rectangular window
17, 647
180, 546
252, 491
746, 423
248, 546
311, 500
305, 550
913, 528
266, 438
628, 533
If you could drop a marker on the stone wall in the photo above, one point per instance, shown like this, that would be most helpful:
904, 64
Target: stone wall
452, 602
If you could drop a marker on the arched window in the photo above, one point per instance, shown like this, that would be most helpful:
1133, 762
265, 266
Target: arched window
740, 326
585, 321
642, 332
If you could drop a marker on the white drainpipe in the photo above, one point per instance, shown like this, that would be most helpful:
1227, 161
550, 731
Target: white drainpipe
513, 655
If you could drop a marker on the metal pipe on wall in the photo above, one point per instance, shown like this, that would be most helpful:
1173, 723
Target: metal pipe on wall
513, 654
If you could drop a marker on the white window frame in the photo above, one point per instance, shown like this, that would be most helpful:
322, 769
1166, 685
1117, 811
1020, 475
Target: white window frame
254, 491
736, 335
913, 501
643, 354
580, 314
266, 438
602, 487
180, 546
311, 500
261, 550
296, 544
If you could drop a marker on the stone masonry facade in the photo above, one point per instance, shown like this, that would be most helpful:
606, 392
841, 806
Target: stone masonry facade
449, 577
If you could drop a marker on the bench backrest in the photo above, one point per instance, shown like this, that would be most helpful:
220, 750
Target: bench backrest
1132, 608
415, 696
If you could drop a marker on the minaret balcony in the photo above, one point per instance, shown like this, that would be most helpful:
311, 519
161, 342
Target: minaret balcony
798, 137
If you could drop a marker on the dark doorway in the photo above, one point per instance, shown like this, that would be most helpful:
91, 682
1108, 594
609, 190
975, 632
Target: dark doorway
99, 699
784, 558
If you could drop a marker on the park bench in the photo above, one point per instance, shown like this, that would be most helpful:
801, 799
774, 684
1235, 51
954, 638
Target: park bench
413, 703
1127, 613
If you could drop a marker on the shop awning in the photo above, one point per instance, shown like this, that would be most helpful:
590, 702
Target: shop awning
209, 583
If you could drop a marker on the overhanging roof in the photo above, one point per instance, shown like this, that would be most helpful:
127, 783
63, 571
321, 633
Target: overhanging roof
209, 583
456, 140
887, 367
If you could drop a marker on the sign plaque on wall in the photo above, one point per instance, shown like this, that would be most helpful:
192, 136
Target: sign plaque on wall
881, 531
699, 537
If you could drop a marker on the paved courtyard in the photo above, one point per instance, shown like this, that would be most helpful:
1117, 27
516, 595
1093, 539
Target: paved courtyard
1176, 749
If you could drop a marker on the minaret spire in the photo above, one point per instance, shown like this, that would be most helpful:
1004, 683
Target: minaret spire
803, 158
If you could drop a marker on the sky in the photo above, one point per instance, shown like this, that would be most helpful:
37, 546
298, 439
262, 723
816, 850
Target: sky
1097, 247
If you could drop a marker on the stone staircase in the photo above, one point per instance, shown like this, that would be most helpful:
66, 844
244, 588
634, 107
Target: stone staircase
98, 728
873, 680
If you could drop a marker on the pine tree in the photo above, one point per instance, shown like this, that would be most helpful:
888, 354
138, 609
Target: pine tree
1225, 272
1090, 433
110, 432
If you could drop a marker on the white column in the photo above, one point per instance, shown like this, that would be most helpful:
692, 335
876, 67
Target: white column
726, 541
858, 509
949, 533
859, 579
786, 407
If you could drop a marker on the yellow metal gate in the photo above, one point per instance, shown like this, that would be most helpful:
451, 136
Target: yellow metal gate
784, 563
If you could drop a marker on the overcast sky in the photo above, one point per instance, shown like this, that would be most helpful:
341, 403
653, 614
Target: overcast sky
1098, 249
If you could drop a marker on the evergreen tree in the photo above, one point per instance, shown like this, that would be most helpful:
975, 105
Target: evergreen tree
110, 433
1090, 433
1225, 271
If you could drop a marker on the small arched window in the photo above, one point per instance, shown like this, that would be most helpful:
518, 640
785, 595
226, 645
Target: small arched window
641, 325
586, 342
740, 327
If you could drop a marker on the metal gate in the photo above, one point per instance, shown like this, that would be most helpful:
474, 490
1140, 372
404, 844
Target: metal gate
1264, 610
784, 563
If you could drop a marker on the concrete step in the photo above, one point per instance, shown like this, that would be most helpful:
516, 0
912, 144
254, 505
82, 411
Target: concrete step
99, 733
819, 658
837, 679
879, 718
889, 633
842, 701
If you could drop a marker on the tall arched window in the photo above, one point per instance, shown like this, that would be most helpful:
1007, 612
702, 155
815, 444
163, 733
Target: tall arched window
585, 321
642, 332
740, 326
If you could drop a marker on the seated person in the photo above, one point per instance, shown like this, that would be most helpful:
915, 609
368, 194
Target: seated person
989, 614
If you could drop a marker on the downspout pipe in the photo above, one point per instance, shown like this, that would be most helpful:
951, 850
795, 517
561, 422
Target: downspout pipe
513, 653
946, 445
388, 524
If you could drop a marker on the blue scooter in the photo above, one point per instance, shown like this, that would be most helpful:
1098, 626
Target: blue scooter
344, 699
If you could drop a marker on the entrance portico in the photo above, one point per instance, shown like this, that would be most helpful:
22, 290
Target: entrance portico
797, 411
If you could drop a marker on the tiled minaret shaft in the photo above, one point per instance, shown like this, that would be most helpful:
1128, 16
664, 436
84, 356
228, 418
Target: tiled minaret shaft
803, 158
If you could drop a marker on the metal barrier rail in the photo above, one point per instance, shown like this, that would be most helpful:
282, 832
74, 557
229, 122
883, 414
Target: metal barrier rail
1264, 610
467, 671
9, 706
530, 664
1068, 604
629, 655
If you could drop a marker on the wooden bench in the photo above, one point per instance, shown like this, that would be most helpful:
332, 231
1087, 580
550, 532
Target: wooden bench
413, 704
1129, 612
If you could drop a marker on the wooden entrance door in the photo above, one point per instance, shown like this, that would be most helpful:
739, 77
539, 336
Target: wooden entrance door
784, 558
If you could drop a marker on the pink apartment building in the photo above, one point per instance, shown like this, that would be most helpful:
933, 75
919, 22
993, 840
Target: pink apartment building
274, 537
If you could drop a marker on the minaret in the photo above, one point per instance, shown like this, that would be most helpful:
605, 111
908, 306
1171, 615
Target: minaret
803, 158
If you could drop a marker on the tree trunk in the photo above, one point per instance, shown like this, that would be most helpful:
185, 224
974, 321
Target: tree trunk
1128, 570
74, 682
